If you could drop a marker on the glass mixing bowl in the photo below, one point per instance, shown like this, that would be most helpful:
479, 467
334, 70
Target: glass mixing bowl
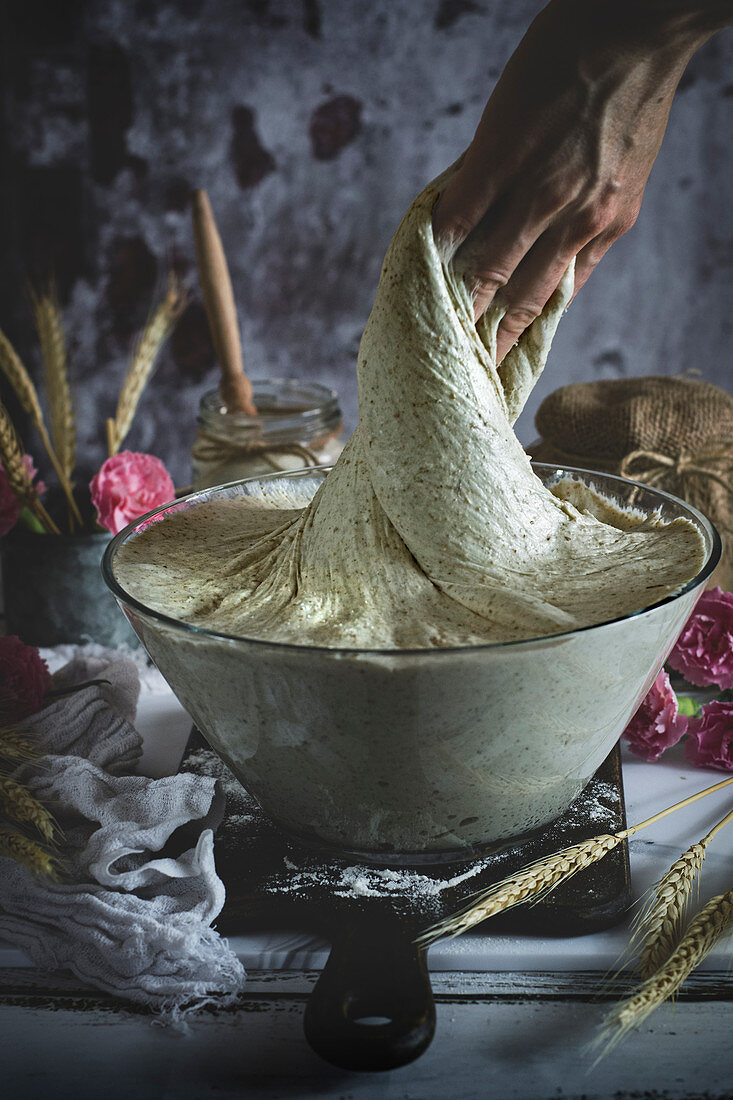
410, 756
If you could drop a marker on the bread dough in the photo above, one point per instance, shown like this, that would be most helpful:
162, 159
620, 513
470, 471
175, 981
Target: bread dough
432, 530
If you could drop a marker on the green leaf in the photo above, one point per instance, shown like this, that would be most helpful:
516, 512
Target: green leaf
30, 522
688, 707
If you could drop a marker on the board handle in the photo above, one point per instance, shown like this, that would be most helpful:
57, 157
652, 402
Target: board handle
372, 1007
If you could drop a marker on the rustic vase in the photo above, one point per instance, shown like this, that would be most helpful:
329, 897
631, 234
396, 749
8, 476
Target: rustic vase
54, 592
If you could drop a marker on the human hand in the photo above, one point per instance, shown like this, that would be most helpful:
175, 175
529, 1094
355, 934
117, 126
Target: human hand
560, 159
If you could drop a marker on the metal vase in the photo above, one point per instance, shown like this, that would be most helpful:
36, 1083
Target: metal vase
54, 591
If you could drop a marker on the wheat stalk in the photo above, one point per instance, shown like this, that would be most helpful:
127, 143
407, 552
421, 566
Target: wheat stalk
155, 333
28, 852
11, 456
14, 747
709, 926
49, 323
21, 806
19, 480
533, 882
659, 924
20, 380
26, 392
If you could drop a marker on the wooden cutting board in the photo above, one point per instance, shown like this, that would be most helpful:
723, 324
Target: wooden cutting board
372, 914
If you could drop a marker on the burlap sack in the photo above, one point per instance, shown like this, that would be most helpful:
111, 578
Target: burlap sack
672, 433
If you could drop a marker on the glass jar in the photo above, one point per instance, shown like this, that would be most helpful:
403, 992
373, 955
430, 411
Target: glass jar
297, 424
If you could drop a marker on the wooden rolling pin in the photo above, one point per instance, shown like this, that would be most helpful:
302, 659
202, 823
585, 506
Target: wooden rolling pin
236, 388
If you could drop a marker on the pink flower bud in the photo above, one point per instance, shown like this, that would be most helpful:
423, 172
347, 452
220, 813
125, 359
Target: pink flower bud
704, 650
128, 485
657, 725
24, 679
11, 505
709, 742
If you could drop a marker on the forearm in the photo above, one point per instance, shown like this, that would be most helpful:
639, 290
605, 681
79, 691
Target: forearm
643, 46
557, 168
687, 16
680, 24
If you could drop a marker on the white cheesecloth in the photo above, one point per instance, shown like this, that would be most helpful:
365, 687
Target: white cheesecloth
132, 911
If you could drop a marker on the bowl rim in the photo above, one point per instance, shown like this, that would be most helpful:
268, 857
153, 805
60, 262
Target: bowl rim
124, 597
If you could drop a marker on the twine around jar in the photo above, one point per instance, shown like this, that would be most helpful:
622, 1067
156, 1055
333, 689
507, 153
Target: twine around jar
667, 432
665, 471
653, 468
212, 449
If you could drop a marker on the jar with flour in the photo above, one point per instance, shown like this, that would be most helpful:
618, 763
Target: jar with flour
297, 424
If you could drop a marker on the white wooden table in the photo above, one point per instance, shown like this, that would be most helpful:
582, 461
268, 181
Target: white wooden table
515, 1015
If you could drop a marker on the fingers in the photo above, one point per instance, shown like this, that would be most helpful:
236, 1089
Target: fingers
529, 253
467, 197
499, 245
586, 234
522, 241
490, 257
589, 257
592, 253
530, 289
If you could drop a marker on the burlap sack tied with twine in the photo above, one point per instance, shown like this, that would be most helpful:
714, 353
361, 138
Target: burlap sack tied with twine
673, 433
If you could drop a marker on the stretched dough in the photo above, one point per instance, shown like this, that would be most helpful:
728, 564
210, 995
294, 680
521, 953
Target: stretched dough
432, 529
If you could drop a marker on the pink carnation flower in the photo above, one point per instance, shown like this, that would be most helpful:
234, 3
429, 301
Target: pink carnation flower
11, 505
709, 741
704, 650
657, 725
24, 679
128, 485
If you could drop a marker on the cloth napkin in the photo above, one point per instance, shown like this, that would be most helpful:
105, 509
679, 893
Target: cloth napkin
132, 911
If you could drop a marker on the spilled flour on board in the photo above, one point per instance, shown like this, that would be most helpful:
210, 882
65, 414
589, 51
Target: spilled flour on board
296, 872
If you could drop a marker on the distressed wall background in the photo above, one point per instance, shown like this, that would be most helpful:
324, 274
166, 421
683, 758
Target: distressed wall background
312, 123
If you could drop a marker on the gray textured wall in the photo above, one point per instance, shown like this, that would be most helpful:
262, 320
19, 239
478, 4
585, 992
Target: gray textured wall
312, 123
